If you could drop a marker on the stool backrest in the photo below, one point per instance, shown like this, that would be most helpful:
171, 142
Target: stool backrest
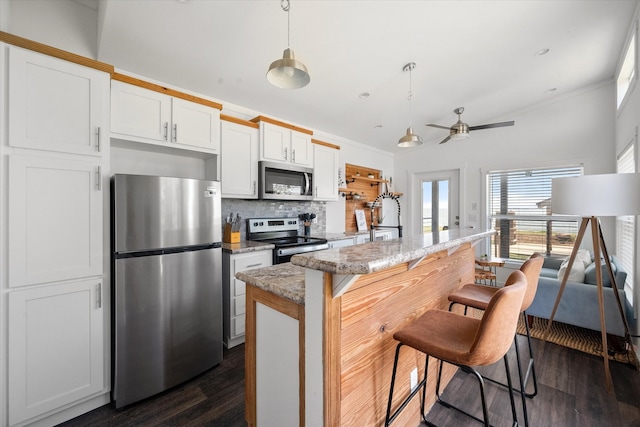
498, 324
531, 269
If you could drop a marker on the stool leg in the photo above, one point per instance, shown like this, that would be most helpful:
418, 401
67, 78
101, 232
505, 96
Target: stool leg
422, 384
522, 383
510, 386
531, 369
485, 411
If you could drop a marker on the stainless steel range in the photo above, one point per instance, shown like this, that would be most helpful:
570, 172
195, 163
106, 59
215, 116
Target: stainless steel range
283, 233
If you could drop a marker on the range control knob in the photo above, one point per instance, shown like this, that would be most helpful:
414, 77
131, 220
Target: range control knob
255, 224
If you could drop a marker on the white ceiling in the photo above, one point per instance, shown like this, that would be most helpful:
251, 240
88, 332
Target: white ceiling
476, 54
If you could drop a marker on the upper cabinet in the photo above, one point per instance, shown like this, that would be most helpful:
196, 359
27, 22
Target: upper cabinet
239, 146
280, 142
144, 115
325, 171
56, 105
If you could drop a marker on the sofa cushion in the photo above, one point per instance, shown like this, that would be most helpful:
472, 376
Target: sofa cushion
590, 274
551, 273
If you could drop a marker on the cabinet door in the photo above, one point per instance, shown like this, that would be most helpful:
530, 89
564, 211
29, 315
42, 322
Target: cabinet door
139, 114
325, 173
274, 142
56, 345
239, 160
301, 149
55, 220
56, 105
195, 124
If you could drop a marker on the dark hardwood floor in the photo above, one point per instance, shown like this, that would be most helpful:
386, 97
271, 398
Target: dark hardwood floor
571, 392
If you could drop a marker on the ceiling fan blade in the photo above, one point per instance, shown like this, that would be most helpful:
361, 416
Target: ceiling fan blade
492, 125
438, 126
445, 140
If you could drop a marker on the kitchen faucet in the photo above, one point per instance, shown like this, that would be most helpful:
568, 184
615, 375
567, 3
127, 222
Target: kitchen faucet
376, 203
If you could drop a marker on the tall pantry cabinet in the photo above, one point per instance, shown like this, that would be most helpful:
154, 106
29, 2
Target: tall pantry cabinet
55, 268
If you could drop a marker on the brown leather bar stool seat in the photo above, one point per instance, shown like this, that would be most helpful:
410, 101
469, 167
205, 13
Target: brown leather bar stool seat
478, 296
464, 342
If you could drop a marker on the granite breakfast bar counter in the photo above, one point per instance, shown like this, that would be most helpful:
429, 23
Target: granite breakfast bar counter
319, 339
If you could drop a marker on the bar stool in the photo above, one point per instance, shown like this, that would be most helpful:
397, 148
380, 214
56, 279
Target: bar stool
464, 342
478, 296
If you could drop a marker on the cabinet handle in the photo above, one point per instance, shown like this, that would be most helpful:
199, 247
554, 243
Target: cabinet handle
175, 132
99, 178
98, 139
254, 187
254, 265
285, 153
99, 295
316, 193
293, 155
166, 131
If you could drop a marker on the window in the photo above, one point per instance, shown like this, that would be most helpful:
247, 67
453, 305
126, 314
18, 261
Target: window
627, 72
519, 209
626, 227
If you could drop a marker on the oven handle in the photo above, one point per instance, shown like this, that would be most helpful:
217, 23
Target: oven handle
302, 249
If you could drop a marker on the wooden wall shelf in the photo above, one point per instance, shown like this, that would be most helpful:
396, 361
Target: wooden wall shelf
372, 181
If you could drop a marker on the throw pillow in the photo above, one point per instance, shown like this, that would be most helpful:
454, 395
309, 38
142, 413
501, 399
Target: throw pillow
590, 274
584, 256
577, 271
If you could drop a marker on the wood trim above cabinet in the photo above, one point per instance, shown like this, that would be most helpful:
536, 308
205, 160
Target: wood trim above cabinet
236, 120
55, 52
259, 119
161, 89
326, 144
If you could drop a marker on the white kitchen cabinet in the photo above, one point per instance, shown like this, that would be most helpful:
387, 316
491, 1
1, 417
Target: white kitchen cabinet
379, 235
55, 220
56, 347
233, 291
285, 145
56, 105
55, 157
325, 173
143, 115
239, 152
342, 243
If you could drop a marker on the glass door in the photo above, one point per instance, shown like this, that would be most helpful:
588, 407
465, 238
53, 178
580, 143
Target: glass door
437, 202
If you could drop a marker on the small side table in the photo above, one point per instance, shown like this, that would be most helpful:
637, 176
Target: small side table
486, 273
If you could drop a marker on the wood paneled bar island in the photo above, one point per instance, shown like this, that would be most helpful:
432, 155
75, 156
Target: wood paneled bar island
319, 330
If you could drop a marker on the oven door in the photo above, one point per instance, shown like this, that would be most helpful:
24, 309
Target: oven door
282, 255
280, 181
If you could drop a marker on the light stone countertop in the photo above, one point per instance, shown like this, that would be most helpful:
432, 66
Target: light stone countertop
288, 280
246, 246
379, 255
285, 280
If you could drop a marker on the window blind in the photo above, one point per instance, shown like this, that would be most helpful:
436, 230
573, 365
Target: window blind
626, 228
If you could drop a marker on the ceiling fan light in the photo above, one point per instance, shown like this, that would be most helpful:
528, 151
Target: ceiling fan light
410, 139
459, 135
288, 72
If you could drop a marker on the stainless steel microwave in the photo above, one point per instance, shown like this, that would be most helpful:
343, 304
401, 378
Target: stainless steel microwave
281, 181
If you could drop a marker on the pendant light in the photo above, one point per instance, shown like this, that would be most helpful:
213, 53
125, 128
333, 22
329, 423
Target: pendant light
288, 72
410, 139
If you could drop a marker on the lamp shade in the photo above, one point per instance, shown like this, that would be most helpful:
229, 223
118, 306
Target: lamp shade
614, 194
288, 72
410, 139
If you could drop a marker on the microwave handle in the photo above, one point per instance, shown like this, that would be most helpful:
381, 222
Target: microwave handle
307, 184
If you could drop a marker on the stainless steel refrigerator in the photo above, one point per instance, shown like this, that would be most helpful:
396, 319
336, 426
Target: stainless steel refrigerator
167, 283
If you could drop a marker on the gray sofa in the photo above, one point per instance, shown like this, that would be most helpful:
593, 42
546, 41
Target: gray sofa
579, 302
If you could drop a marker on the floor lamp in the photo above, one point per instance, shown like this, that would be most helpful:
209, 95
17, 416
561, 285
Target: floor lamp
592, 197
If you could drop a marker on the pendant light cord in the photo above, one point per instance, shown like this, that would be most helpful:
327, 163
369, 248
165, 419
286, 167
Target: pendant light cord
410, 95
286, 6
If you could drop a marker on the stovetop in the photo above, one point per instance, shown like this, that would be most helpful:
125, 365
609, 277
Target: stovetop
282, 232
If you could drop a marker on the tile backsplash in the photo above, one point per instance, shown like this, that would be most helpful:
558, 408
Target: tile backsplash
274, 208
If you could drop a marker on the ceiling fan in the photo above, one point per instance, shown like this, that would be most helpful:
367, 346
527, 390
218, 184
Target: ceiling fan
460, 130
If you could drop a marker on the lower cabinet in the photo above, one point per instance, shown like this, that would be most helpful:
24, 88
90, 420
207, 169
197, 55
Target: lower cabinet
56, 347
233, 291
342, 243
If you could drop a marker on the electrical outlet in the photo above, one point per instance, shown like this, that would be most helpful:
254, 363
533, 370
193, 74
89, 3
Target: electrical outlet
414, 378
315, 220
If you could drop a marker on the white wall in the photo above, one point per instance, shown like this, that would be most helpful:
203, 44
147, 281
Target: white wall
64, 24
575, 128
